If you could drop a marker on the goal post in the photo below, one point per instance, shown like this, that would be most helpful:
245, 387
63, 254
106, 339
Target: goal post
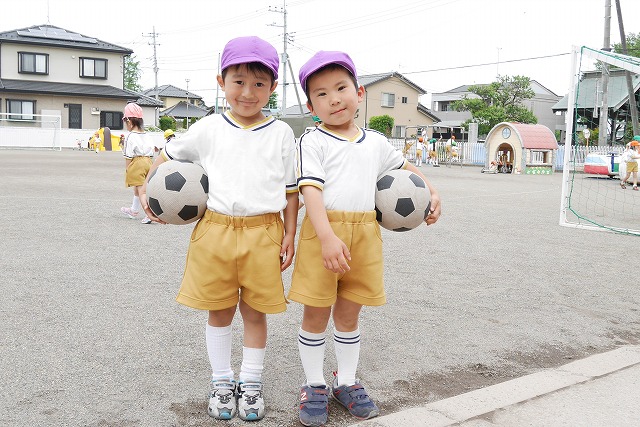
592, 195
25, 130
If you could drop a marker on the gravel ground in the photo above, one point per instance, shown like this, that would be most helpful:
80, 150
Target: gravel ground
92, 334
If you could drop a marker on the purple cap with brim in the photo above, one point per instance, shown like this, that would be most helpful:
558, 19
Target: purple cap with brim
321, 59
243, 50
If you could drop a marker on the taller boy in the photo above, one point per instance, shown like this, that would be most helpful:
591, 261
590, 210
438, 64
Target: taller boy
339, 261
240, 247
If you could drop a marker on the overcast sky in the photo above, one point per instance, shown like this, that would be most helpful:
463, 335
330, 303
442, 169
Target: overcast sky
437, 44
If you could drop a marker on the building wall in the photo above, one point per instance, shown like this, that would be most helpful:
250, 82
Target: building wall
404, 114
64, 65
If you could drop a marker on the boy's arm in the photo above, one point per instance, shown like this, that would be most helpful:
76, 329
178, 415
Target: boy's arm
335, 253
142, 193
435, 209
290, 214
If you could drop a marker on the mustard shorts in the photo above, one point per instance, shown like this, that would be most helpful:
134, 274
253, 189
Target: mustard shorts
418, 153
137, 171
632, 166
315, 286
231, 258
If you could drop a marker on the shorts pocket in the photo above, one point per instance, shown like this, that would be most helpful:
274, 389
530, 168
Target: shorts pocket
275, 232
376, 226
201, 228
307, 231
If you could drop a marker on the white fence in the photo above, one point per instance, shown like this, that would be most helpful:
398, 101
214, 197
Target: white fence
475, 154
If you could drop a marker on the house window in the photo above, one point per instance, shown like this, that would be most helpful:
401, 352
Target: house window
405, 100
93, 68
22, 110
539, 157
33, 63
111, 120
399, 131
388, 100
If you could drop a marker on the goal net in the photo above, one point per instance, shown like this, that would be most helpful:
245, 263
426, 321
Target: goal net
25, 130
592, 195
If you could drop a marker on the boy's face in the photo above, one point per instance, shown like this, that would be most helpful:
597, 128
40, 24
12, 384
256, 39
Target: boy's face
246, 92
334, 98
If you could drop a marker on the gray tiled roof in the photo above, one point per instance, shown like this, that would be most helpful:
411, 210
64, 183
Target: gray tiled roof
50, 35
375, 78
617, 94
180, 110
9, 85
170, 91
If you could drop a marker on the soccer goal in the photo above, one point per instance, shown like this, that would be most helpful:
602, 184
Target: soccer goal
25, 130
592, 197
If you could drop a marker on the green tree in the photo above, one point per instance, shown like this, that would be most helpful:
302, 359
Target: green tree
132, 74
500, 101
633, 45
383, 124
273, 101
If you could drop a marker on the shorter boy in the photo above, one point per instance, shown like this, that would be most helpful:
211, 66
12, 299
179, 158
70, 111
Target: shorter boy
339, 261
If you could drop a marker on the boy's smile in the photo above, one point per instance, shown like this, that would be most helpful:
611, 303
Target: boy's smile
247, 93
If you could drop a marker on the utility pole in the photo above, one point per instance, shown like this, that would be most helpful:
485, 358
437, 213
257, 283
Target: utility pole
633, 106
604, 110
155, 65
187, 80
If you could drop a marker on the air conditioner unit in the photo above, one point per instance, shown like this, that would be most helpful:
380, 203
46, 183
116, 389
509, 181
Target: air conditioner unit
95, 110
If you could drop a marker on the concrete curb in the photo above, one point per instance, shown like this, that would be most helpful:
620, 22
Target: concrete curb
473, 404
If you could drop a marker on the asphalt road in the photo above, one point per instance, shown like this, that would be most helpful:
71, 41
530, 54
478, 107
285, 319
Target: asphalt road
92, 335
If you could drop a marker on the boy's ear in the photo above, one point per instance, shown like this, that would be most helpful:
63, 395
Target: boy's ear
310, 107
220, 81
274, 86
361, 92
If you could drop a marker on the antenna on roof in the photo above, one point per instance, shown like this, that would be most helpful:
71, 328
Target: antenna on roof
48, 21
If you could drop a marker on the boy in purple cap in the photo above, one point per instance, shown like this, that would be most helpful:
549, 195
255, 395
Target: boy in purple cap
339, 261
240, 247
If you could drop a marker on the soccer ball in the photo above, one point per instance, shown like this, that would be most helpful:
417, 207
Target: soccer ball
403, 200
177, 192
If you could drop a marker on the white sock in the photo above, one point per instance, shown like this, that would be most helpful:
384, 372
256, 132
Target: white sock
252, 364
219, 351
347, 347
311, 347
135, 205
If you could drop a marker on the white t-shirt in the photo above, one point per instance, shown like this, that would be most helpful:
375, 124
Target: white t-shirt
250, 168
137, 144
346, 170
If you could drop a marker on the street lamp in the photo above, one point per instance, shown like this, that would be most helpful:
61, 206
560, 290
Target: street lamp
187, 80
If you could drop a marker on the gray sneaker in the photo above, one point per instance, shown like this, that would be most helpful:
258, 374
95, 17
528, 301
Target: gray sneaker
250, 401
222, 399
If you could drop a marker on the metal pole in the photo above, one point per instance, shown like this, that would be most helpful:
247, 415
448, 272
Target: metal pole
285, 59
187, 80
604, 110
217, 86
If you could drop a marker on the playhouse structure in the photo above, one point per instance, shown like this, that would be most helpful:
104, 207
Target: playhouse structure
521, 148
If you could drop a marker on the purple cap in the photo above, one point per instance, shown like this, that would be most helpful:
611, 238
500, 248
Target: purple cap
321, 59
243, 50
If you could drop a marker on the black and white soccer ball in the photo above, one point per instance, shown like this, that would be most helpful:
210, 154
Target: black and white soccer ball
177, 192
403, 200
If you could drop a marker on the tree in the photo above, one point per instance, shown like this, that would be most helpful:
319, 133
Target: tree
383, 124
633, 45
500, 101
132, 74
273, 101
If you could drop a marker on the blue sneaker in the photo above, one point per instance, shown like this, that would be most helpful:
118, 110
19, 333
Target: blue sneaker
250, 401
355, 399
222, 399
314, 405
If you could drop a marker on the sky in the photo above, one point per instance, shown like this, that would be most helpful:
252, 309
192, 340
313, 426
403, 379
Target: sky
437, 44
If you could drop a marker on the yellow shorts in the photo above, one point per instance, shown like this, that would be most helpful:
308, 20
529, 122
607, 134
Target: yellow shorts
233, 257
315, 286
137, 171
418, 153
632, 166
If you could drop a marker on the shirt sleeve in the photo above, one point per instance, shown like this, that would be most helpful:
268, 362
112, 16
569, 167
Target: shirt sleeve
391, 158
289, 160
310, 170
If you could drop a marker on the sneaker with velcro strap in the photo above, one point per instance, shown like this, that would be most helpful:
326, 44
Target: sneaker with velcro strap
355, 399
314, 405
250, 401
222, 399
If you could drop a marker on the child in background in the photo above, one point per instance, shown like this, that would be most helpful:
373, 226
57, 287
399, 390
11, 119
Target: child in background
339, 264
138, 151
240, 247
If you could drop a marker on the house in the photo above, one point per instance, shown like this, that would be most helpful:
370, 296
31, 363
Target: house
521, 148
184, 110
171, 95
394, 95
588, 90
48, 70
541, 105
